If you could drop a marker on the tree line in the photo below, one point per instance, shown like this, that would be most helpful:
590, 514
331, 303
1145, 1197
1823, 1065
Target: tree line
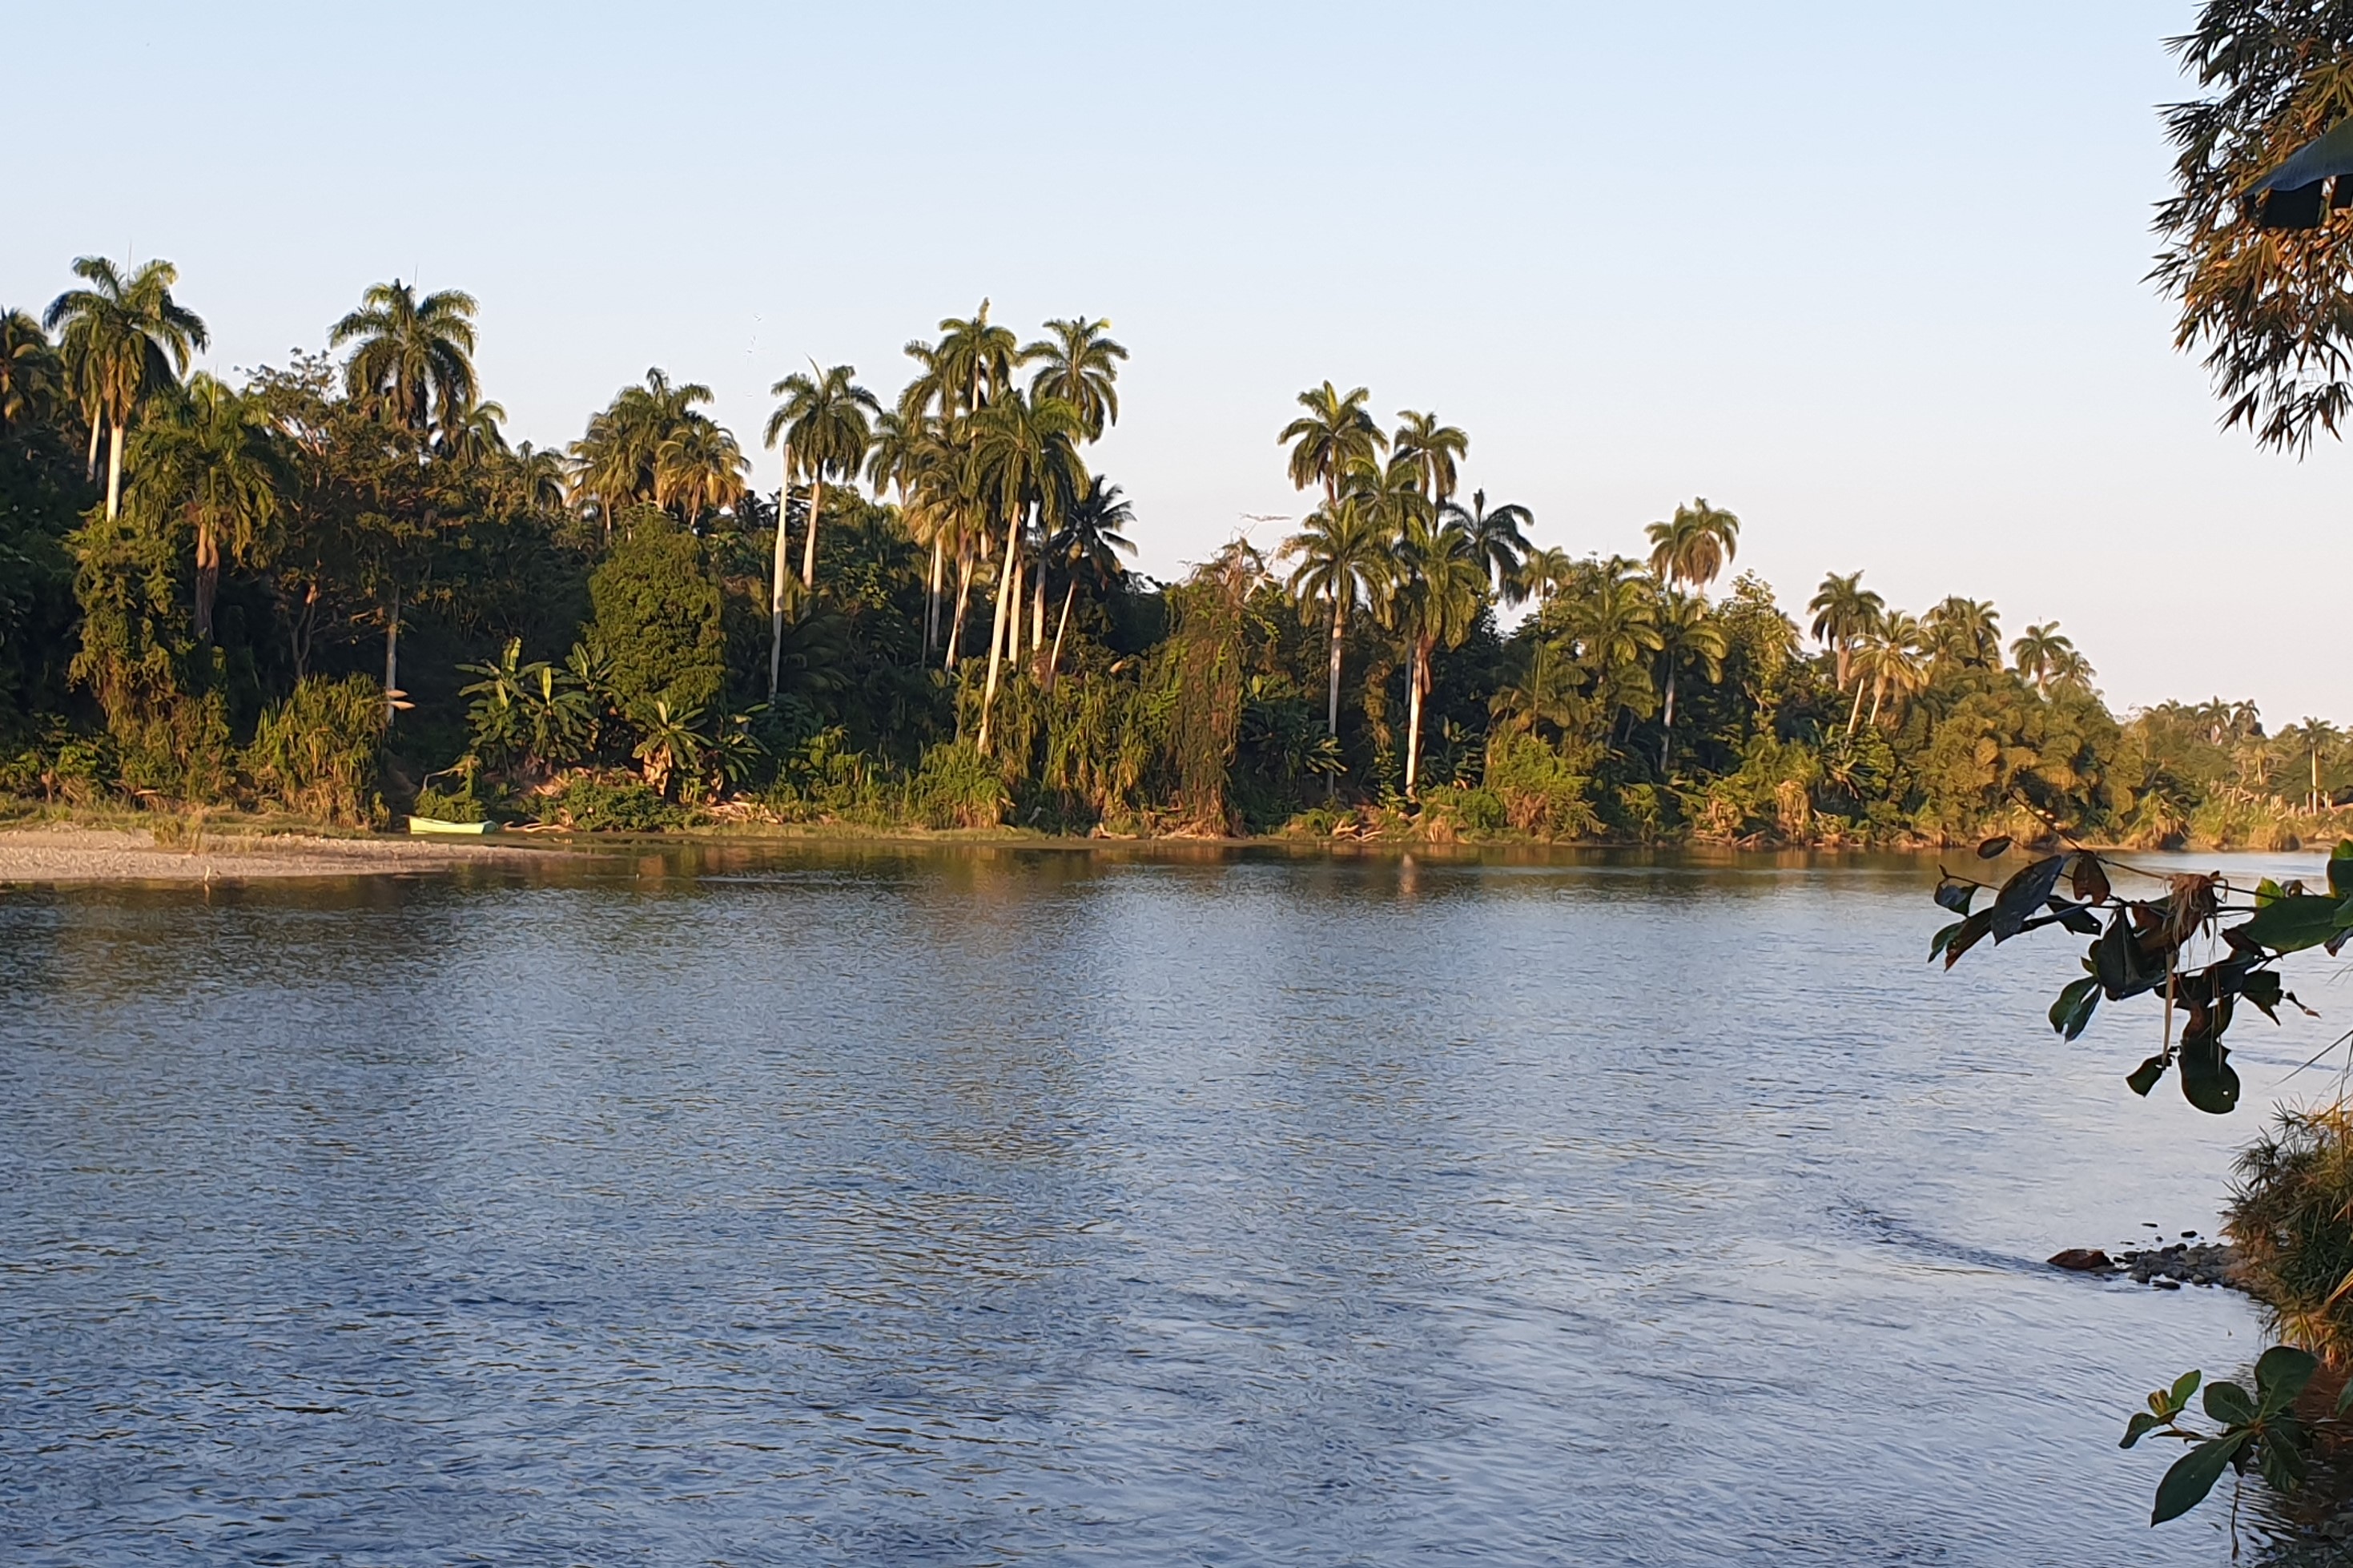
336, 587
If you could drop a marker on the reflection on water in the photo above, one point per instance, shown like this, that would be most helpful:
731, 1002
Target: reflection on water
1025, 1205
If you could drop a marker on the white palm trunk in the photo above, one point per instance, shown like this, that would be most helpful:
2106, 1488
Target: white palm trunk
776, 584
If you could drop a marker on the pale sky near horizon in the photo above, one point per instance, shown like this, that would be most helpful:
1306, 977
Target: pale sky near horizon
1868, 275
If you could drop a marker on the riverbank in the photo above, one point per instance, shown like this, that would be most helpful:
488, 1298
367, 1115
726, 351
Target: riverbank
52, 853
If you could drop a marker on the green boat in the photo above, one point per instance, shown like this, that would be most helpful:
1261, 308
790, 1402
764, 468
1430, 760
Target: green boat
427, 826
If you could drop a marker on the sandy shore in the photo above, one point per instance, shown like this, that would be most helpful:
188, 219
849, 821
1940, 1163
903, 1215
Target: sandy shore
104, 855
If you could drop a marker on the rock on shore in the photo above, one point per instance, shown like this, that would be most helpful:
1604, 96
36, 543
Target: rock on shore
2167, 1268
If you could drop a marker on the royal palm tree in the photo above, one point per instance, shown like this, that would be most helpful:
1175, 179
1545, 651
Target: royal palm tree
213, 465
1440, 588
1434, 449
1688, 634
825, 421
1332, 436
973, 362
1844, 611
1088, 545
1500, 534
1343, 561
124, 342
1693, 548
1079, 363
2037, 655
1027, 462
414, 359
473, 436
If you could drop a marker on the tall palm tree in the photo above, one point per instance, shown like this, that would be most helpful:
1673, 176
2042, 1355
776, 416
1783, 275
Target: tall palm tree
698, 469
1434, 449
1693, 548
973, 362
1336, 433
1965, 631
827, 422
1079, 362
1441, 586
1894, 658
1688, 634
1027, 460
893, 457
125, 341
1844, 612
1343, 561
2038, 655
414, 362
31, 376
1501, 536
212, 464
473, 436
1089, 544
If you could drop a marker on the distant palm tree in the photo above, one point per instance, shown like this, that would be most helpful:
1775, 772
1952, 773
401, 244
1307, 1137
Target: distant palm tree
535, 478
31, 376
1844, 612
1894, 663
1693, 548
1089, 544
698, 469
213, 464
1441, 588
1345, 561
1434, 449
414, 359
616, 461
1078, 363
1027, 462
973, 363
2038, 655
1612, 618
826, 423
125, 341
1501, 537
1967, 631
1687, 635
473, 436
1334, 434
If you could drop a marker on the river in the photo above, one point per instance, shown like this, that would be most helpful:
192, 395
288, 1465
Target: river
1024, 1206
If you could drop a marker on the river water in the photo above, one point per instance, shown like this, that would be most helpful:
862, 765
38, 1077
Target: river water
1023, 1205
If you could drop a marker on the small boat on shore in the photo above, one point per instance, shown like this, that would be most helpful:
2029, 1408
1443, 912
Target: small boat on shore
427, 826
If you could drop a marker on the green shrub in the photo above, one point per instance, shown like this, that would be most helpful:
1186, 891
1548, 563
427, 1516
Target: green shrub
317, 753
659, 621
1538, 789
460, 804
622, 806
2291, 1216
957, 787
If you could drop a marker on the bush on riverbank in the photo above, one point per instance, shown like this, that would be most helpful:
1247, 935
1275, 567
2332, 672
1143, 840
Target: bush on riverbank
2291, 1216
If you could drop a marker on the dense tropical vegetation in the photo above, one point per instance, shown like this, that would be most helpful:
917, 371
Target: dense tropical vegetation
335, 588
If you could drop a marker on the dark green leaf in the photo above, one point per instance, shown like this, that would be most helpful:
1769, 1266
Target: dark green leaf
1972, 931
1943, 940
2286, 1454
2143, 1078
2340, 875
1994, 848
2138, 1428
2208, 1082
2291, 922
1955, 894
2024, 893
2177, 1397
2230, 1404
2281, 1373
2076, 918
2123, 968
2071, 1014
2193, 1475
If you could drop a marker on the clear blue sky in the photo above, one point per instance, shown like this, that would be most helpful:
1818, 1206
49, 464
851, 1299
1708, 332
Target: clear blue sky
1868, 274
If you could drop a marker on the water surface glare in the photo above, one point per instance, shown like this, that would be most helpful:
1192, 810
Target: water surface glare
1003, 1206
